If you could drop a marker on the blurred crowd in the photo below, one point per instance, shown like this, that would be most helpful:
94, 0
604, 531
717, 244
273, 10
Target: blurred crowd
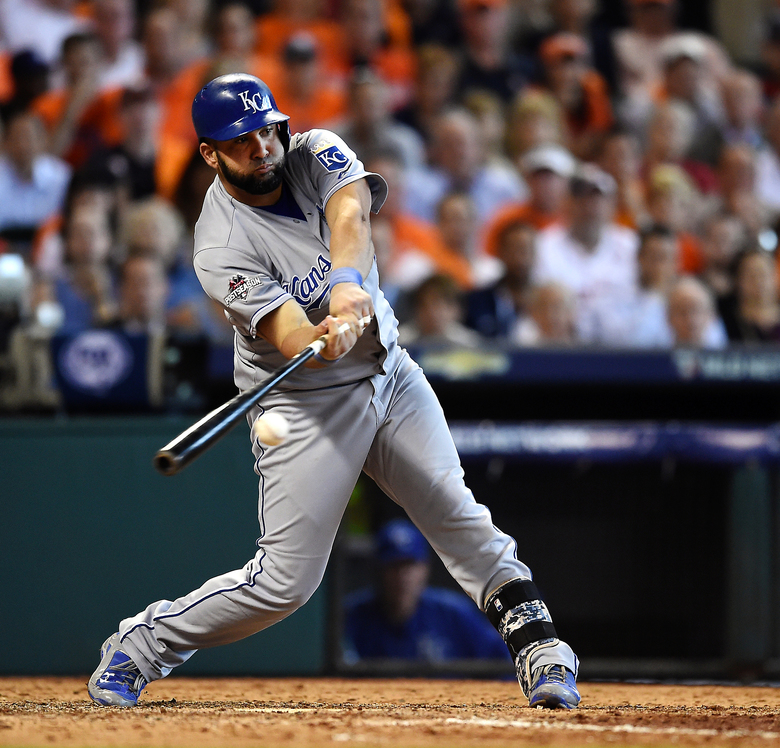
559, 174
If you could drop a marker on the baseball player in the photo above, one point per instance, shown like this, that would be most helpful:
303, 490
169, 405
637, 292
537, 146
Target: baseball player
283, 243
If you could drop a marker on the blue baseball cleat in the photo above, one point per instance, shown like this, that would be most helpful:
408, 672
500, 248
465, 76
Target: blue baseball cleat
553, 687
117, 680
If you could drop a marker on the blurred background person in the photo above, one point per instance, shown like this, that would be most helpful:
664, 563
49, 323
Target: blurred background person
768, 161
638, 319
551, 318
737, 187
405, 618
29, 80
114, 23
143, 290
620, 155
489, 62
724, 237
743, 108
496, 311
754, 315
80, 117
33, 183
581, 92
546, 170
437, 311
435, 89
588, 253
459, 164
369, 126
691, 315
534, 119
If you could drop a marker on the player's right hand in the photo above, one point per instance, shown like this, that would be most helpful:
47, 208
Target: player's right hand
350, 301
338, 343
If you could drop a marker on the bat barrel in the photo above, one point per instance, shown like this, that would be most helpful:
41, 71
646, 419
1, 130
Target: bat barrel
180, 452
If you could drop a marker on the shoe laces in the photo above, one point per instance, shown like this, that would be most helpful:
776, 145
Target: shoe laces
554, 673
125, 673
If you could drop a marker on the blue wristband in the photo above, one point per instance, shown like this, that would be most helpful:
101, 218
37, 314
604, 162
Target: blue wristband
345, 275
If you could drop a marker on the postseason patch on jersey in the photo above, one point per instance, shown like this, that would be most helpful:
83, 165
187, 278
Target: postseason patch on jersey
240, 286
331, 157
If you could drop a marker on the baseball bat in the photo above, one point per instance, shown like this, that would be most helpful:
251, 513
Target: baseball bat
191, 443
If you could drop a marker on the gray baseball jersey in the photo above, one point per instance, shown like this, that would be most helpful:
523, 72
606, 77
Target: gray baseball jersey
253, 260
373, 411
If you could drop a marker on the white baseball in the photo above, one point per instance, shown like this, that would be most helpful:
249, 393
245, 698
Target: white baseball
271, 428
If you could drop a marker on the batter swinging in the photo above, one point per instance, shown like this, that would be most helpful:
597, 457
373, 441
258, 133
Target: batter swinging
284, 245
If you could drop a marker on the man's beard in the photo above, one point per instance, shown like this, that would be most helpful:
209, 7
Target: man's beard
254, 183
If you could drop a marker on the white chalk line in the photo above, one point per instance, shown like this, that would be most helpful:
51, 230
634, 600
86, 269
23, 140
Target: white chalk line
526, 724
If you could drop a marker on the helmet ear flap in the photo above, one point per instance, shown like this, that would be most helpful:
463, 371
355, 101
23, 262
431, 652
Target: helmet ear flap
283, 128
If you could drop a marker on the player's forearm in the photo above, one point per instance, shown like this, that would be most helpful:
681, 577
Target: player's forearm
350, 238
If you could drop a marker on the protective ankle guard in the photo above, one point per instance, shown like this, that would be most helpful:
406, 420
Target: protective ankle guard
520, 616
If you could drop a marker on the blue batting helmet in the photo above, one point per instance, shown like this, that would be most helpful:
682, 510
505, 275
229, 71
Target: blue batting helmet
235, 104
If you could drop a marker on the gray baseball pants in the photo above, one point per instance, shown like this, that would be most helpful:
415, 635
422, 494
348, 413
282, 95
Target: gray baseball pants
392, 427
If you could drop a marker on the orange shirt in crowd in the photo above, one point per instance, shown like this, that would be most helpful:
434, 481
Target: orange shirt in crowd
519, 213
328, 103
690, 258
100, 124
598, 108
275, 29
6, 81
410, 233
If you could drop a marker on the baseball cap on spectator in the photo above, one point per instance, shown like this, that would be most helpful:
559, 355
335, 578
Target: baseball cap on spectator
400, 540
562, 46
554, 158
300, 47
591, 176
28, 62
682, 46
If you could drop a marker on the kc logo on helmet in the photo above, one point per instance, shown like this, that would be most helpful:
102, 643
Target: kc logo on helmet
256, 102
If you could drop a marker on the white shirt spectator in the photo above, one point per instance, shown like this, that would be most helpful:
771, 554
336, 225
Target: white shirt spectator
37, 25
26, 204
127, 70
604, 275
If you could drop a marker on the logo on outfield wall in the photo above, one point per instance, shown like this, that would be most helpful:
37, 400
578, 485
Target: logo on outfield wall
239, 287
96, 360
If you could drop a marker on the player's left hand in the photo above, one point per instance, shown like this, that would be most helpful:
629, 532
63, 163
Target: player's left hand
339, 342
349, 302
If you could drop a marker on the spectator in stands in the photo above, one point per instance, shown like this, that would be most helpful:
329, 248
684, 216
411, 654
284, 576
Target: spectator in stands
86, 290
638, 319
639, 53
754, 317
164, 48
458, 163
371, 40
551, 317
588, 253
308, 97
724, 237
133, 160
434, 89
769, 69
669, 137
489, 112
153, 228
489, 63
456, 220
433, 22
581, 92
436, 317
496, 311
79, 117
743, 107
40, 26
580, 17
30, 78
621, 157
32, 182
691, 315
672, 201
417, 248
535, 118
370, 127
193, 20
768, 160
404, 618
289, 17
737, 182
143, 291
114, 22
547, 170
684, 80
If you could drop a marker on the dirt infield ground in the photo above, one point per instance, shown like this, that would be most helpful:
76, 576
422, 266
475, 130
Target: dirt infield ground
397, 713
